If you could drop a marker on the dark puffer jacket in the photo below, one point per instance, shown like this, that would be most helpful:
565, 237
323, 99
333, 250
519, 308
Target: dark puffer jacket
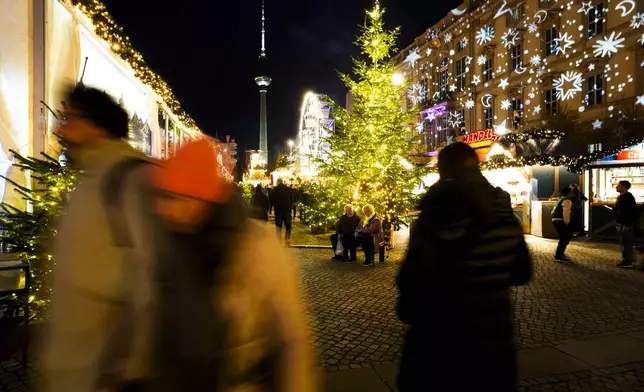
467, 249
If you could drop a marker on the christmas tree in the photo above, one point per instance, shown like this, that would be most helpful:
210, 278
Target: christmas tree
28, 232
366, 161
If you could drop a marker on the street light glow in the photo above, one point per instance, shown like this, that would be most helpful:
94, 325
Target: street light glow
291, 143
398, 79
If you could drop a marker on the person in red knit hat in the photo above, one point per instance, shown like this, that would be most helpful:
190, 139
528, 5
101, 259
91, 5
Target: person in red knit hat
228, 305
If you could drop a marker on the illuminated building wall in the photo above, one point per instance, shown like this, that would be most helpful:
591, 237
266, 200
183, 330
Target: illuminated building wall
316, 124
507, 65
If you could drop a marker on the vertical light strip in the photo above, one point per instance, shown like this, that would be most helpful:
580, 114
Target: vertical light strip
263, 31
588, 194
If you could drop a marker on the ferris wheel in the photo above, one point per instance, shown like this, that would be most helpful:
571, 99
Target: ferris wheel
316, 124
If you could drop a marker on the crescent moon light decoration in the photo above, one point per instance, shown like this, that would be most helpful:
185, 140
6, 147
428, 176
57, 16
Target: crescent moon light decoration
486, 101
542, 15
458, 12
520, 70
623, 6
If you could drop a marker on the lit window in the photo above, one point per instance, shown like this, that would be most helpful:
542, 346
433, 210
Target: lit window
461, 74
517, 112
488, 69
551, 44
596, 20
488, 117
550, 101
595, 90
517, 56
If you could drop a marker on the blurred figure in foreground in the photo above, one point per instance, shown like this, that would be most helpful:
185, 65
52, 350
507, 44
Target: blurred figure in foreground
259, 204
345, 233
230, 315
282, 201
100, 276
466, 250
626, 213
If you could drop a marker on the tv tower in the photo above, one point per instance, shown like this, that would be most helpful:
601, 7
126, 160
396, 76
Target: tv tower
263, 82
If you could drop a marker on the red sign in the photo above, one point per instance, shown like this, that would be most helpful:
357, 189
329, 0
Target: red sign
487, 135
630, 155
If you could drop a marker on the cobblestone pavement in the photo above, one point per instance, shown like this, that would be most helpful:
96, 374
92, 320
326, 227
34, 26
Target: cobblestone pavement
355, 325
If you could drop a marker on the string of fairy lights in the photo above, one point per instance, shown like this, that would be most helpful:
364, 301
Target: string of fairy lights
107, 29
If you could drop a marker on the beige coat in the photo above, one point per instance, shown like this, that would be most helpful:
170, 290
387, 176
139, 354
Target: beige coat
102, 308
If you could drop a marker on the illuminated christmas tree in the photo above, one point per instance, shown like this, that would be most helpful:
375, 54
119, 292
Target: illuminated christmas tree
366, 162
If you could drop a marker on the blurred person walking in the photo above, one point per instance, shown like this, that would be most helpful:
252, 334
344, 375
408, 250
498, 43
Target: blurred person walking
100, 279
466, 250
229, 305
282, 200
259, 204
627, 216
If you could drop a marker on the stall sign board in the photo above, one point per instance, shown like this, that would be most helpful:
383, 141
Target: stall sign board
481, 141
630, 155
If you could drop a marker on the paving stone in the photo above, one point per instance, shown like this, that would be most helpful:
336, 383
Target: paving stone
546, 361
606, 351
354, 381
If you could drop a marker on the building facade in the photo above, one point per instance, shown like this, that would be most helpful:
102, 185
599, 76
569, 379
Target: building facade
511, 66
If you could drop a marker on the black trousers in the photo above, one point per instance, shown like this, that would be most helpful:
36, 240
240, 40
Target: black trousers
349, 243
565, 235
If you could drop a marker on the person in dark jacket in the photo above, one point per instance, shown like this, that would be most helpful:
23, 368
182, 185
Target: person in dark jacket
259, 204
563, 218
282, 201
345, 232
627, 215
578, 202
466, 250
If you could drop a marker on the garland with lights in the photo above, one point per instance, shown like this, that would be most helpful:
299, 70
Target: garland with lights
107, 29
533, 134
365, 161
28, 234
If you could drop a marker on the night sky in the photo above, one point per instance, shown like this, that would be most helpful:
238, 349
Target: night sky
208, 51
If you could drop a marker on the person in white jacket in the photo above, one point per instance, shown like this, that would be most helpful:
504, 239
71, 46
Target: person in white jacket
562, 218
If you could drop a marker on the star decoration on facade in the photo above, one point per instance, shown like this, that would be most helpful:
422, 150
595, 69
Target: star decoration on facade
485, 34
469, 104
452, 88
563, 43
591, 67
465, 42
482, 59
431, 117
535, 60
641, 40
419, 127
568, 85
586, 6
536, 110
447, 38
454, 120
428, 52
417, 93
609, 45
468, 60
640, 100
597, 124
501, 129
533, 28
412, 58
506, 104
504, 83
510, 38
638, 20
476, 79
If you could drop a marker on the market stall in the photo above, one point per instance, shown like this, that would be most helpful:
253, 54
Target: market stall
601, 178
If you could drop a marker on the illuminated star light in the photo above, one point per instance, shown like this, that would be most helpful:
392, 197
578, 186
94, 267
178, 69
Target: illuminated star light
469, 104
638, 20
447, 38
428, 52
640, 100
573, 77
452, 88
419, 127
597, 124
535, 60
465, 42
476, 79
503, 10
609, 45
563, 42
412, 58
506, 104
533, 28
485, 34
641, 40
591, 67
482, 59
510, 38
468, 60
586, 7
504, 83
501, 129
454, 119
536, 110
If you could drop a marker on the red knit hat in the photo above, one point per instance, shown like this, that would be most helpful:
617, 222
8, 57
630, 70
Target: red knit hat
194, 172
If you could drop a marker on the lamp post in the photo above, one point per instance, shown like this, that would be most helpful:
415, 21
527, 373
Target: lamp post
291, 143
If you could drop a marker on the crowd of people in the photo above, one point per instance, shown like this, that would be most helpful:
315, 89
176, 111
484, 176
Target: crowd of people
284, 200
163, 283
